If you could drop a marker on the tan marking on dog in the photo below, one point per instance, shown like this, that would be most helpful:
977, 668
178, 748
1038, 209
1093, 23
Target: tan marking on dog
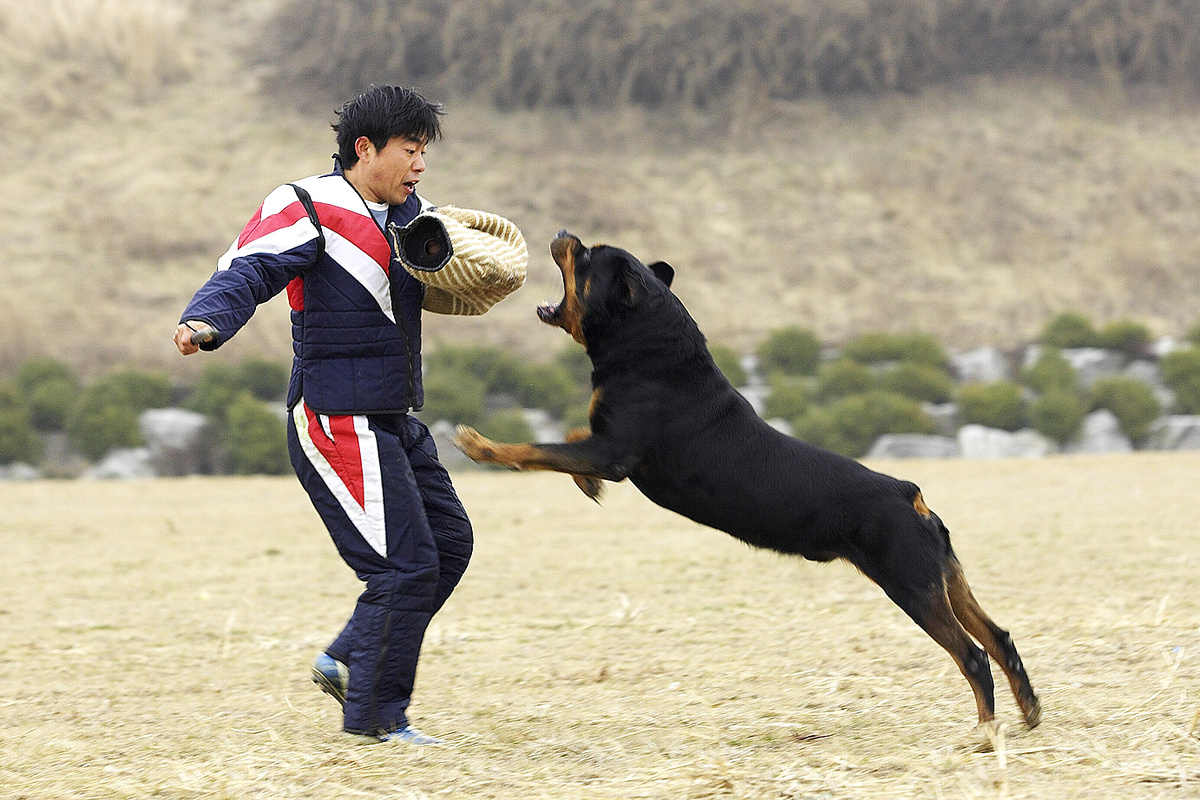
570, 315
919, 505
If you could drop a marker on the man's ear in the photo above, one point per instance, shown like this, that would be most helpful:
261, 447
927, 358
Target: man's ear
664, 271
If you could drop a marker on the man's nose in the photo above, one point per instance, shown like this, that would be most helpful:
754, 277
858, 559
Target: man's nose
418, 164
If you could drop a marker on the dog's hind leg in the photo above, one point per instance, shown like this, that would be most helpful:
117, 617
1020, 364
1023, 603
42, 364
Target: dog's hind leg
921, 593
936, 617
994, 639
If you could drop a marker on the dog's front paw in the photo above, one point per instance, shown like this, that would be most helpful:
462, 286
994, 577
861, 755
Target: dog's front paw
474, 445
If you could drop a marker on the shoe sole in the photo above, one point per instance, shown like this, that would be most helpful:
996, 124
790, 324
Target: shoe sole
329, 687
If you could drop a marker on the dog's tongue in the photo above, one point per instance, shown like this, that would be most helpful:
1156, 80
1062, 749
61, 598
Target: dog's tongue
547, 311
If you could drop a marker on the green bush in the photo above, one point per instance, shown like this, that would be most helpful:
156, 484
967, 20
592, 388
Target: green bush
1069, 329
1181, 372
145, 389
843, 378
793, 351
1050, 372
575, 360
788, 398
550, 387
263, 378
1058, 414
879, 347
104, 418
48, 388
215, 390
996, 405
256, 436
729, 362
499, 370
454, 396
18, 442
816, 426
36, 371
922, 382
1193, 334
851, 425
506, 425
1126, 336
50, 404
1131, 401
1177, 367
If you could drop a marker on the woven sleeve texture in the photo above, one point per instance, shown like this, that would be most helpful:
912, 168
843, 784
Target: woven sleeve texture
488, 264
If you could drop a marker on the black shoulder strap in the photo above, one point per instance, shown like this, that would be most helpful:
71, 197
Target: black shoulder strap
306, 201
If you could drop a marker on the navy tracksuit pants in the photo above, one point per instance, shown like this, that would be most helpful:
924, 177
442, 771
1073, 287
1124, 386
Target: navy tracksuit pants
396, 520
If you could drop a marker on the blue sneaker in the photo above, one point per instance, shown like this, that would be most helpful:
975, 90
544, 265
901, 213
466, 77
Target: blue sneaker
406, 735
410, 735
332, 676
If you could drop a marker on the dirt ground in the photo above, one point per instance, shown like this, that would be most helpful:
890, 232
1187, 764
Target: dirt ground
155, 639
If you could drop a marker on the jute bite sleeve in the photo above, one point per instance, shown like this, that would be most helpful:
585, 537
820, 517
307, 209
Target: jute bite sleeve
468, 260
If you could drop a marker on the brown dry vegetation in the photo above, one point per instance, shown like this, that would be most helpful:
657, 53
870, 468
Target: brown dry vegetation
140, 140
155, 640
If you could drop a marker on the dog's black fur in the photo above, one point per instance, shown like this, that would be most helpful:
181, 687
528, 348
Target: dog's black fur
665, 417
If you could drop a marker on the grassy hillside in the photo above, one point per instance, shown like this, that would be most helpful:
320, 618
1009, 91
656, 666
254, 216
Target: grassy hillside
141, 140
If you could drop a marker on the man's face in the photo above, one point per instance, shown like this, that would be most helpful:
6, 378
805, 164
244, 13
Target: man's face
389, 175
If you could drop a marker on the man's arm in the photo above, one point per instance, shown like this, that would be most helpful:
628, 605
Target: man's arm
276, 246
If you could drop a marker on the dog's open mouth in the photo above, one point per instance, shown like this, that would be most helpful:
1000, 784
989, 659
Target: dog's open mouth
562, 248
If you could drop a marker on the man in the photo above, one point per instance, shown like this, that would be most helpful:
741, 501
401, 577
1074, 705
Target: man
371, 469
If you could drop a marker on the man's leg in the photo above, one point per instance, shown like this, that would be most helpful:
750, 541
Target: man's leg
452, 532
361, 484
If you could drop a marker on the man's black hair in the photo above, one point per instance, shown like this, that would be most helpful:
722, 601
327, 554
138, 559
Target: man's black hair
382, 113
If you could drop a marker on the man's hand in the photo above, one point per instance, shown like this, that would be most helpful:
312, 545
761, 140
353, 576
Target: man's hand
184, 333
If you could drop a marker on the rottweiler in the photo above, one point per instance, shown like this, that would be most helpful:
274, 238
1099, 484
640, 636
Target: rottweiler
663, 416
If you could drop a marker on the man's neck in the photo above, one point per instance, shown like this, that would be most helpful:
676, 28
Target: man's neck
359, 185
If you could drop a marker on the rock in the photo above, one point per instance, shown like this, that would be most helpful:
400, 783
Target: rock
545, 428
914, 445
981, 365
782, 425
443, 437
1165, 346
1093, 362
749, 363
756, 395
19, 471
977, 441
122, 463
179, 442
1101, 434
1174, 432
947, 417
1149, 373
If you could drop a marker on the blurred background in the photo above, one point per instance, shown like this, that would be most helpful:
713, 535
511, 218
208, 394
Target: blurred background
964, 171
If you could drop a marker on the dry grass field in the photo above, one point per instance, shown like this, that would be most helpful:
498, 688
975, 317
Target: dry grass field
155, 640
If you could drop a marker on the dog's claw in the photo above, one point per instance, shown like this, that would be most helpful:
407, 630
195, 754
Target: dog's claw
473, 444
592, 487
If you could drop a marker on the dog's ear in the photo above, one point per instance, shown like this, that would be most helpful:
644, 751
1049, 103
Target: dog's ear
664, 271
